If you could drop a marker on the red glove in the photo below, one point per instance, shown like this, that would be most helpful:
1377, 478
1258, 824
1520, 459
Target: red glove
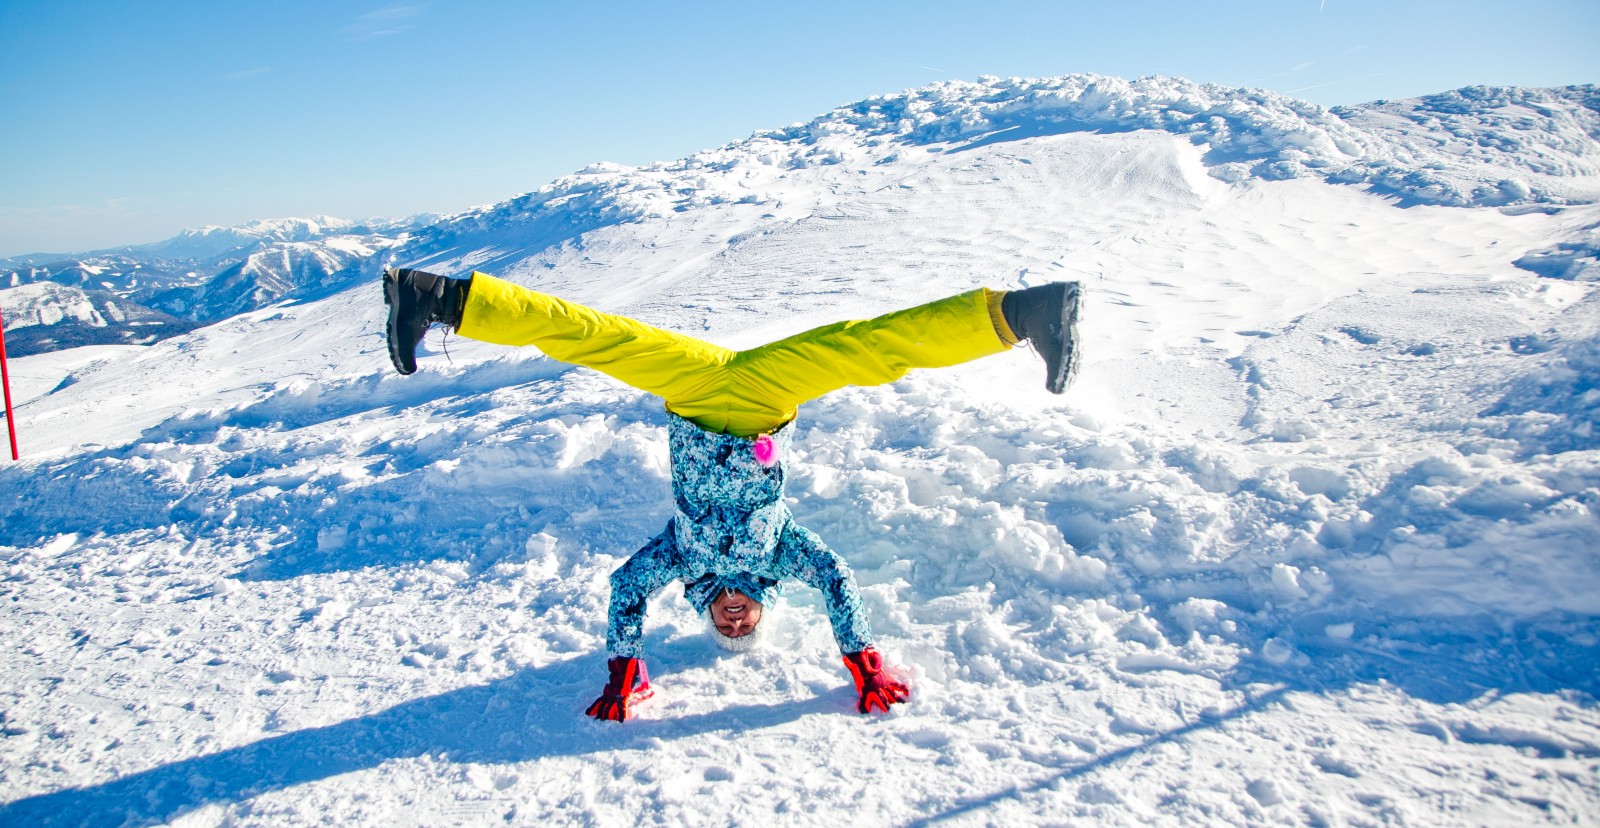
876, 687
630, 682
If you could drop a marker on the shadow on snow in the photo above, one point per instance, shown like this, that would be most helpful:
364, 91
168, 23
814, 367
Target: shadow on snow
479, 725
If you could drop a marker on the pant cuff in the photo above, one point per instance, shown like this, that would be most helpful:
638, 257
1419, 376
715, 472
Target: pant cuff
998, 317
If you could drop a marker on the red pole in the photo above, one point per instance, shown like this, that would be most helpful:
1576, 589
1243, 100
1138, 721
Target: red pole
5, 379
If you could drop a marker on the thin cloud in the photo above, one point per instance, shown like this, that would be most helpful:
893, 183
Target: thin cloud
384, 22
248, 73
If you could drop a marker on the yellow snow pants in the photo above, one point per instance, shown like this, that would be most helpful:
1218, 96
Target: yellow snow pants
743, 393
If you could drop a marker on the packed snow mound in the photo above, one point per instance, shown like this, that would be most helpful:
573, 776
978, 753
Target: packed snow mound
1483, 146
1577, 258
1555, 408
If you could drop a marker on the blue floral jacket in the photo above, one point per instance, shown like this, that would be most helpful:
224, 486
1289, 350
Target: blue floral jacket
732, 529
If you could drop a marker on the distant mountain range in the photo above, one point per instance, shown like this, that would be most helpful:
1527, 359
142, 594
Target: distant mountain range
142, 293
1510, 148
45, 316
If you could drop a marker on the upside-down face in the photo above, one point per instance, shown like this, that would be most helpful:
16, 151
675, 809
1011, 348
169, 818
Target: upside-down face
735, 614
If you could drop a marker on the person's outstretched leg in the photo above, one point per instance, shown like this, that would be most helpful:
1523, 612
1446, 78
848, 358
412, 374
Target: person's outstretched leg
771, 381
488, 309
750, 392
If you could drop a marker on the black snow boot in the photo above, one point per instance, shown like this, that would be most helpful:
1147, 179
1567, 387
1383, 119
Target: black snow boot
416, 300
1047, 317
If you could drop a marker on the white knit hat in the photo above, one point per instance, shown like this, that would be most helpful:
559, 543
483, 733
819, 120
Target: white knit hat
744, 643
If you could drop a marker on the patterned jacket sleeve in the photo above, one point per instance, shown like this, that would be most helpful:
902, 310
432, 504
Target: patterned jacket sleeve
632, 584
803, 556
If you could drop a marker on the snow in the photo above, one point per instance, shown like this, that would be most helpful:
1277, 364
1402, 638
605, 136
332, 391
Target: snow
39, 375
210, 242
47, 303
1312, 541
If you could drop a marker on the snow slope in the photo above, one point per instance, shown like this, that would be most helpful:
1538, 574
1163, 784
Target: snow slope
1312, 541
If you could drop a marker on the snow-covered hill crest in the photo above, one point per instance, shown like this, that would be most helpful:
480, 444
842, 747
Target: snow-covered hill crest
1543, 145
1455, 148
1480, 146
1472, 147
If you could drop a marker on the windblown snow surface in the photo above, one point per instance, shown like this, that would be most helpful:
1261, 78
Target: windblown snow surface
1312, 541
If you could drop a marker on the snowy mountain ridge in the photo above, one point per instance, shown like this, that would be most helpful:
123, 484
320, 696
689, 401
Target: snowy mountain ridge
45, 316
1454, 148
1449, 148
212, 243
272, 272
200, 275
1480, 146
1475, 147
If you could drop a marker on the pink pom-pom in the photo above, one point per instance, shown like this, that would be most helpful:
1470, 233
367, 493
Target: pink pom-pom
766, 451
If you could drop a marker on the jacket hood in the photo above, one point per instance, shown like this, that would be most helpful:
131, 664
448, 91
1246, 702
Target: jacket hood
705, 590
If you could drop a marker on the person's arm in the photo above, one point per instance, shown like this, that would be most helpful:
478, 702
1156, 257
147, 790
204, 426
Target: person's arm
632, 584
803, 555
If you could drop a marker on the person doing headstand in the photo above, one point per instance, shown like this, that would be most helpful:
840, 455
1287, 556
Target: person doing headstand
730, 419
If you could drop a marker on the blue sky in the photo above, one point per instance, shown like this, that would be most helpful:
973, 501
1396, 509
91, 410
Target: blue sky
127, 122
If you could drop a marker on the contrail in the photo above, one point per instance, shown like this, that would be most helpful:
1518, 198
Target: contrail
1341, 80
916, 65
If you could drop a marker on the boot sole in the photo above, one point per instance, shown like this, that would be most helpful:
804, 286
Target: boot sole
391, 297
1067, 368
